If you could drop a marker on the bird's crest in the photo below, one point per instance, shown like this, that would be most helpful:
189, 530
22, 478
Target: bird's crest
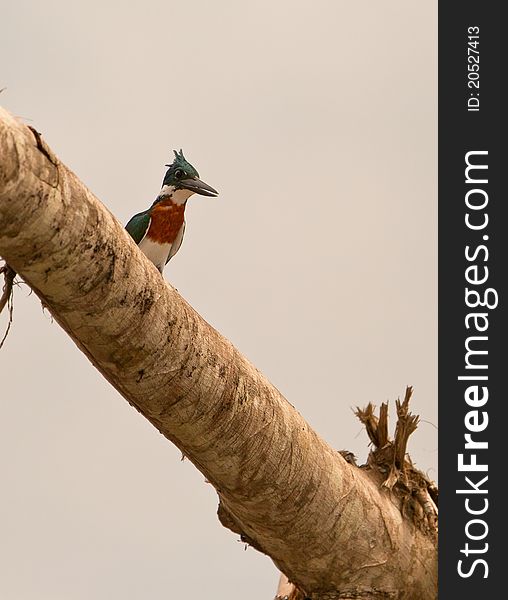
179, 161
182, 163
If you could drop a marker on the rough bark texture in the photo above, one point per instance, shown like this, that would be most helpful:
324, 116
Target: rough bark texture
328, 525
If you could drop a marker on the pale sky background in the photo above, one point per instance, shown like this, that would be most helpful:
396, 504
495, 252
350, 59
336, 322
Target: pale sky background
317, 122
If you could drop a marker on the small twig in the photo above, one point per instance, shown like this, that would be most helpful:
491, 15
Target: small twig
429, 423
370, 421
6, 299
9, 273
383, 426
406, 425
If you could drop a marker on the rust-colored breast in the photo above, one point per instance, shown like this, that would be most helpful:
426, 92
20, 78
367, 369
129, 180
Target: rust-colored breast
167, 218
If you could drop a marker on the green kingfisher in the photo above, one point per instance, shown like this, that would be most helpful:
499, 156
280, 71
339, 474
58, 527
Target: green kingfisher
158, 231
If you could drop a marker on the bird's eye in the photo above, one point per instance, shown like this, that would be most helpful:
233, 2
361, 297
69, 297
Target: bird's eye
179, 173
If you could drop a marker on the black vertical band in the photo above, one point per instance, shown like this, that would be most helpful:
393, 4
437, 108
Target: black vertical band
473, 270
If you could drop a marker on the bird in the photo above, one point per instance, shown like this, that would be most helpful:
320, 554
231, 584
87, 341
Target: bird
158, 231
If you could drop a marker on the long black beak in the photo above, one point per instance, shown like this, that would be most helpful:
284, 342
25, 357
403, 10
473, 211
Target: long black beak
197, 186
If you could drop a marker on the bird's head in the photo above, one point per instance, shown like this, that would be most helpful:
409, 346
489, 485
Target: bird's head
182, 180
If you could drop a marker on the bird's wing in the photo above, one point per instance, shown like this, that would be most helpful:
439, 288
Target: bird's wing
177, 243
138, 226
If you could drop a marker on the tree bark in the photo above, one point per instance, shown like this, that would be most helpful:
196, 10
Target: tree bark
328, 525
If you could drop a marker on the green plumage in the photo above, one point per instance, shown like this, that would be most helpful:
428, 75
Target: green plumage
138, 225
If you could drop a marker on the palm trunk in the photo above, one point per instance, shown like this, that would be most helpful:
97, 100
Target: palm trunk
328, 525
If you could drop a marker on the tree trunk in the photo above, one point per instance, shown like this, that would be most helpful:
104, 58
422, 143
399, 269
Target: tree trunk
328, 525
